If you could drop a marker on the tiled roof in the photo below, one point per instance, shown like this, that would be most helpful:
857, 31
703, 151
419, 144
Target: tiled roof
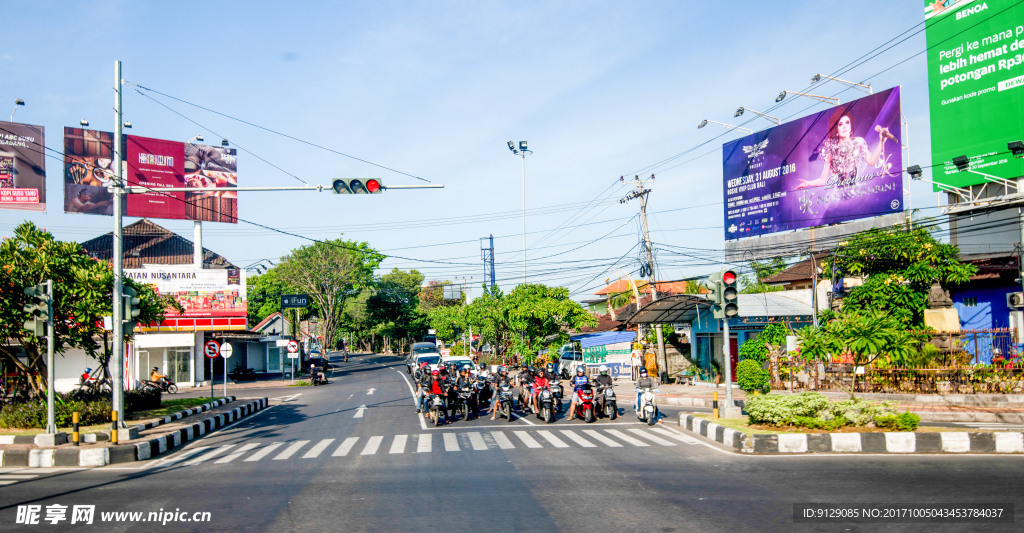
148, 243
797, 272
664, 287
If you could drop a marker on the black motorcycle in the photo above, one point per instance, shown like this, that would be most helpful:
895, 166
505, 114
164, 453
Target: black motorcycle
505, 401
606, 398
316, 377
165, 385
556, 394
545, 401
437, 410
483, 392
465, 402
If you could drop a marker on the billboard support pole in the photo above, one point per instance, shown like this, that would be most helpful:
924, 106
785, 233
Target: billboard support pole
118, 254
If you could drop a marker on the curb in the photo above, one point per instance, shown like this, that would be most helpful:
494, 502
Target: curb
126, 453
690, 401
903, 442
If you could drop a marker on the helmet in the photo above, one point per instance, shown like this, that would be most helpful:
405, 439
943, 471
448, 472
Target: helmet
435, 373
580, 369
440, 366
503, 369
424, 364
87, 370
603, 369
550, 367
531, 369
154, 369
482, 366
643, 371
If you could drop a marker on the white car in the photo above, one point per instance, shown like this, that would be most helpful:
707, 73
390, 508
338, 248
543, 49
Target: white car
454, 362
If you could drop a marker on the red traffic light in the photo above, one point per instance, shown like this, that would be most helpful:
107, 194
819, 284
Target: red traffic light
728, 277
372, 186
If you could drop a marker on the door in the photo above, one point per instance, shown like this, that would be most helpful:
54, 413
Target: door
273, 359
179, 361
734, 353
142, 364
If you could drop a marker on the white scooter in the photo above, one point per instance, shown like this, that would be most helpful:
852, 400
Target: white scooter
648, 411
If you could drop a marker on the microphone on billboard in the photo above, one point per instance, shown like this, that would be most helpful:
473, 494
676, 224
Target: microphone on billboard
885, 131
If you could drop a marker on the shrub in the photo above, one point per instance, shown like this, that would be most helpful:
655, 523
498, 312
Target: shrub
821, 423
141, 400
751, 377
902, 422
32, 414
861, 412
779, 409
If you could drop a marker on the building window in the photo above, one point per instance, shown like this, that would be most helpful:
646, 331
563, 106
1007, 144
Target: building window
970, 301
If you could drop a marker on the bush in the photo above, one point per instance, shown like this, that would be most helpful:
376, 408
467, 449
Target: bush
32, 414
141, 400
902, 422
862, 412
821, 423
751, 377
780, 410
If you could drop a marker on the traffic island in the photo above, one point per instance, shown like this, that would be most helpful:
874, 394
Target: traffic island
902, 442
153, 438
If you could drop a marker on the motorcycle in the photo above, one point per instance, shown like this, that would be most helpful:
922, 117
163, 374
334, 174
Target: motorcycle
609, 406
483, 392
165, 385
648, 411
585, 406
464, 400
437, 409
556, 394
505, 401
545, 401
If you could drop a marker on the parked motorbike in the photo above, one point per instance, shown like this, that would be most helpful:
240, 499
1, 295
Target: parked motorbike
609, 407
648, 411
165, 385
585, 406
556, 394
437, 409
505, 401
545, 401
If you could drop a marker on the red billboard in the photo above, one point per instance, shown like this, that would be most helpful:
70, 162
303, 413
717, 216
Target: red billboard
22, 167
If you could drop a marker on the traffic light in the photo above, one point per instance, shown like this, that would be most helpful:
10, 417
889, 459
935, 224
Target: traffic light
131, 307
715, 285
730, 294
357, 186
38, 309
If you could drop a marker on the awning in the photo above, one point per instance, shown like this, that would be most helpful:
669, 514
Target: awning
588, 340
671, 309
685, 307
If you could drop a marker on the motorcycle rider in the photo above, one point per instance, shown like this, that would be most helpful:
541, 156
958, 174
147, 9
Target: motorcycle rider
602, 381
644, 381
577, 382
156, 377
437, 385
465, 380
500, 378
540, 381
424, 385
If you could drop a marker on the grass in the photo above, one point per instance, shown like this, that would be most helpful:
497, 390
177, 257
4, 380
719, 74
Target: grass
740, 424
166, 407
300, 383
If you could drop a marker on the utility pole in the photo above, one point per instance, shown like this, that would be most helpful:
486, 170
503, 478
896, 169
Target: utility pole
642, 193
51, 417
118, 253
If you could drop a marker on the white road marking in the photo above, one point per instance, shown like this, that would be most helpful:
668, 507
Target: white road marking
398, 445
523, 418
263, 453
623, 437
412, 396
17, 476
673, 435
290, 451
652, 438
527, 439
372, 445
238, 453
370, 390
183, 455
345, 447
359, 411
578, 439
601, 438
502, 440
8, 482
424, 443
451, 442
477, 440
550, 437
315, 451
207, 456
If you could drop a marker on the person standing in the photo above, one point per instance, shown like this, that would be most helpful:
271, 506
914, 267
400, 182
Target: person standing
634, 362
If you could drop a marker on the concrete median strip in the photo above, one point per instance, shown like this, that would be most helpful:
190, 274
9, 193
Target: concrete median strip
910, 442
134, 451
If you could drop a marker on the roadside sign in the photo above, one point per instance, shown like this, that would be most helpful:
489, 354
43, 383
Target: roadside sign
226, 350
293, 347
211, 349
281, 343
293, 356
294, 300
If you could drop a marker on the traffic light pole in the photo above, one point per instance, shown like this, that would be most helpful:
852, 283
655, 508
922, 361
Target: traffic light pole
51, 417
118, 298
727, 352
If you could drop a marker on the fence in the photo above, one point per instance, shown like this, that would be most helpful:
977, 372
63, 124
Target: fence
841, 378
984, 344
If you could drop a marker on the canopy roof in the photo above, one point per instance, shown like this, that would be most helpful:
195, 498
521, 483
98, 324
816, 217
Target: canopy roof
684, 307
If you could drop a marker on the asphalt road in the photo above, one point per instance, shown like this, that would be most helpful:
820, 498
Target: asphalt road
316, 461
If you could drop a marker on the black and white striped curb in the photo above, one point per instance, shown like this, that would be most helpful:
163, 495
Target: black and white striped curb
892, 442
126, 453
132, 431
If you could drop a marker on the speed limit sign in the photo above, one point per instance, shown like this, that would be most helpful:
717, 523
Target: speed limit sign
211, 349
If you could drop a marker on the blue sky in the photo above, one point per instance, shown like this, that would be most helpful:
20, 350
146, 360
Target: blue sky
435, 89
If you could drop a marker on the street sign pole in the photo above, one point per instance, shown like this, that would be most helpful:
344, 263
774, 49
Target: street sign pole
51, 417
225, 352
118, 252
211, 378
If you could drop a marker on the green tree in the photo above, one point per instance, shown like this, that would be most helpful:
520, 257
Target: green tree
83, 289
394, 305
264, 295
330, 272
761, 270
542, 316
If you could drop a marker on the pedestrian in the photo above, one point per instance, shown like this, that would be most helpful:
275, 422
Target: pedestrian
634, 363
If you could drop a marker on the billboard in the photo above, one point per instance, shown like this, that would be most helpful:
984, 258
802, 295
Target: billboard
152, 163
202, 293
841, 164
22, 167
975, 86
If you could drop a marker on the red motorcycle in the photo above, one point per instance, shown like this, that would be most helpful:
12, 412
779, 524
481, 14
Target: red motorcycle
585, 405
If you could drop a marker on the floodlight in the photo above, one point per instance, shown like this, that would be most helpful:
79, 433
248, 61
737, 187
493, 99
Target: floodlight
511, 146
224, 143
1017, 147
739, 111
127, 125
915, 172
962, 163
84, 123
522, 145
19, 101
780, 97
702, 124
816, 78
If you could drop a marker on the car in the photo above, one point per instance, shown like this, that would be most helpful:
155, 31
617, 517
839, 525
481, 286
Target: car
417, 349
567, 363
454, 362
432, 359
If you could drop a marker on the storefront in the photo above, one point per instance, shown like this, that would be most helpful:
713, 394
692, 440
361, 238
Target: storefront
609, 348
174, 355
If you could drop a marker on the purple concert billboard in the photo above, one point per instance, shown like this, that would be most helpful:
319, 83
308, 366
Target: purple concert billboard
841, 164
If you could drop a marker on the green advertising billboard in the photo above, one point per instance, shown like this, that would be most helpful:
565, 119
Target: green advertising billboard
975, 86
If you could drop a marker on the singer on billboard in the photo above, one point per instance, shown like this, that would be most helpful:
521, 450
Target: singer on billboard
844, 153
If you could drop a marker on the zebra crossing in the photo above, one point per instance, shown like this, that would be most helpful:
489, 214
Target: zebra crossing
448, 442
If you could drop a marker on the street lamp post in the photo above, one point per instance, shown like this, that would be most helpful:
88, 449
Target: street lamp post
17, 102
522, 151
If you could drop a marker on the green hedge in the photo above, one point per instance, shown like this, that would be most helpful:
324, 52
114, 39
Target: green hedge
813, 410
92, 409
783, 409
751, 377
